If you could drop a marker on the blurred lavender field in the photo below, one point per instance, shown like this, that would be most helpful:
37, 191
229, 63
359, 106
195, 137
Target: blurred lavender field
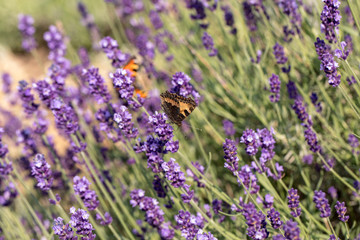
271, 150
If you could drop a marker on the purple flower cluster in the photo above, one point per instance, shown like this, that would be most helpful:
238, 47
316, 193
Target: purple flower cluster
228, 128
204, 236
110, 47
343, 52
80, 221
6, 80
56, 44
351, 80
291, 9
27, 98
229, 18
322, 204
89, 197
247, 178
123, 83
123, 119
196, 178
27, 30
173, 173
294, 202
330, 19
45, 91
65, 117
256, 222
300, 109
311, 139
41, 170
268, 201
291, 230
341, 211
208, 43
251, 139
104, 221
279, 54
275, 85
154, 215
182, 86
274, 217
189, 224
353, 142
199, 8
63, 231
328, 64
292, 90
8, 193
3, 148
96, 85
250, 17
155, 20
231, 160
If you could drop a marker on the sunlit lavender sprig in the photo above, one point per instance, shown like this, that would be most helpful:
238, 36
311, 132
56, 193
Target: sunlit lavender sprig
251, 140
123, 119
27, 98
275, 85
154, 215
328, 64
291, 9
63, 231
27, 30
155, 20
182, 86
65, 117
256, 222
341, 211
208, 43
80, 221
291, 230
330, 19
228, 128
8, 193
82, 188
110, 47
247, 178
250, 18
41, 170
322, 204
293, 202
199, 11
231, 160
3, 147
104, 221
189, 224
274, 217
96, 85
45, 91
314, 99
196, 178
88, 21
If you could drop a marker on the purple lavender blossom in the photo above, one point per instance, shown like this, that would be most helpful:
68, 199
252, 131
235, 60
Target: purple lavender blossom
250, 17
104, 221
158, 187
204, 236
231, 160
228, 128
229, 19
300, 110
196, 178
268, 201
251, 139
208, 43
41, 170
40, 124
8, 194
65, 116
278, 237
6, 80
292, 231
26, 137
3, 148
341, 211
333, 192
279, 54
88, 21
311, 139
322, 204
188, 224
146, 46
247, 177
351, 80
65, 232
27, 30
353, 141
330, 19
89, 197
275, 85
80, 221
342, 52
291, 9
45, 91
274, 217
56, 44
123, 83
294, 202
292, 90
199, 8
123, 119
110, 47
308, 159
96, 85
27, 98
173, 173
328, 64
155, 20
154, 215
182, 86
256, 222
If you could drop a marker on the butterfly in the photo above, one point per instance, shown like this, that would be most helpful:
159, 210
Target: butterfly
176, 107
133, 67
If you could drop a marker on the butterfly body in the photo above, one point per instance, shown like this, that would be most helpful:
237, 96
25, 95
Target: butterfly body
176, 107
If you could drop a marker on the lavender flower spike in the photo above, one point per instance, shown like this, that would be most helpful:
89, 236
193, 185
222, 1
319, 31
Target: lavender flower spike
231, 160
341, 211
330, 19
322, 204
275, 85
27, 30
89, 197
80, 221
208, 43
41, 170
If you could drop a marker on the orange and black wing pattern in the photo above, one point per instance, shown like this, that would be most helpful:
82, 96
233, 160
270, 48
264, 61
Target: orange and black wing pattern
132, 66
